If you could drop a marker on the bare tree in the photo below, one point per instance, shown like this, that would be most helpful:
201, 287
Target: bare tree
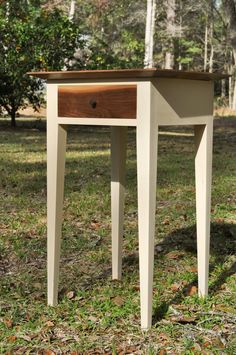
205, 45
72, 10
149, 33
230, 9
170, 29
211, 35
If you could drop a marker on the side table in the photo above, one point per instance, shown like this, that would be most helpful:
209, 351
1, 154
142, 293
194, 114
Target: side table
145, 99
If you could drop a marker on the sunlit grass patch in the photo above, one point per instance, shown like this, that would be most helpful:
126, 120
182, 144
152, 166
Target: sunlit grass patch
95, 313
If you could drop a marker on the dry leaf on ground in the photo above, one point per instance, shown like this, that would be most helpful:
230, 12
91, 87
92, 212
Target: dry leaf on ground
118, 300
192, 290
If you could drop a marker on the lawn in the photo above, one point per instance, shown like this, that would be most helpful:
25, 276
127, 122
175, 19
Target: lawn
96, 315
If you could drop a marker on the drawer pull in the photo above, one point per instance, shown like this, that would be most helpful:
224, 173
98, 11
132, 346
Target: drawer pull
93, 103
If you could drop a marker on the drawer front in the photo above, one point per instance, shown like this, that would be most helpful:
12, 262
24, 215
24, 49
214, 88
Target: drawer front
97, 101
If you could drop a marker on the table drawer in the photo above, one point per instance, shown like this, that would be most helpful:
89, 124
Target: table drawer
97, 101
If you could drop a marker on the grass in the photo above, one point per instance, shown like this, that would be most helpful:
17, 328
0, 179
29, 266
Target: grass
96, 315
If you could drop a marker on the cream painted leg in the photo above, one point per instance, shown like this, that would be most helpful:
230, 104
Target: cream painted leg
56, 146
203, 168
118, 162
147, 137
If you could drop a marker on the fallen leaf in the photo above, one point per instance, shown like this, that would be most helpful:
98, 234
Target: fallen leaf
38, 295
178, 207
162, 352
206, 344
164, 339
70, 295
193, 269
175, 287
174, 255
166, 222
192, 290
93, 319
37, 285
12, 338
48, 352
8, 323
42, 220
128, 350
163, 336
49, 323
25, 337
219, 220
184, 282
216, 328
196, 347
79, 224
95, 224
217, 343
27, 316
223, 308
181, 306
118, 300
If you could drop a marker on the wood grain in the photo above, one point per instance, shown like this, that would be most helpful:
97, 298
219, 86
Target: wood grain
127, 73
97, 101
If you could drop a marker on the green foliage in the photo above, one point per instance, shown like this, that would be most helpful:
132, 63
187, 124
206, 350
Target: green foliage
189, 50
56, 38
114, 32
34, 39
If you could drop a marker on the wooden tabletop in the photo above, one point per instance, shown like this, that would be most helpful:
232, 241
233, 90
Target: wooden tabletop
127, 73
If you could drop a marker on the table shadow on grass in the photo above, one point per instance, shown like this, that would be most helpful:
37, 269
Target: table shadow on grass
222, 246
182, 240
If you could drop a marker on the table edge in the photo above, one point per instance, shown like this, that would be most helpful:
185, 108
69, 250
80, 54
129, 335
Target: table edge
127, 74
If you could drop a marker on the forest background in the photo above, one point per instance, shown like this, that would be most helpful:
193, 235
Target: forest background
106, 34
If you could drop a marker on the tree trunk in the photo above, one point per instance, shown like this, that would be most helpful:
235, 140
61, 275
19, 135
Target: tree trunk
205, 46
234, 97
211, 62
72, 10
180, 34
232, 81
170, 29
230, 92
230, 72
149, 33
234, 77
230, 10
7, 10
211, 35
223, 88
13, 119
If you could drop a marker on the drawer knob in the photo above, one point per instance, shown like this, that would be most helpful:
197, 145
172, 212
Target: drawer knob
93, 103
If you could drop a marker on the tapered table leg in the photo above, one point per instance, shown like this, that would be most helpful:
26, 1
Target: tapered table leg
118, 163
56, 147
147, 137
203, 172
